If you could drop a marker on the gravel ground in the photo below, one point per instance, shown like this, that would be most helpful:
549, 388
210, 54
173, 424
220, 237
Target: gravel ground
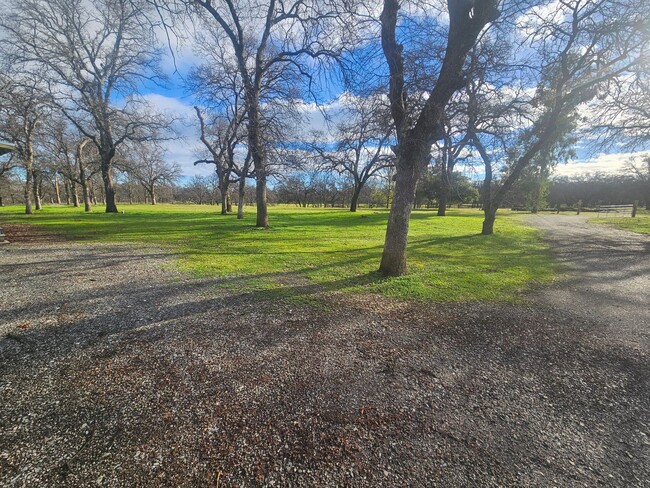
117, 371
608, 275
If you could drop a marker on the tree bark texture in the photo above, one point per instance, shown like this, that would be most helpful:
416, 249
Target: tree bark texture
241, 196
29, 176
37, 194
442, 200
223, 190
82, 178
75, 195
257, 155
488, 222
57, 191
355, 198
393, 260
109, 187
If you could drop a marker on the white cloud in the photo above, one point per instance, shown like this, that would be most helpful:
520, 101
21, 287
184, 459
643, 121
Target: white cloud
603, 163
169, 104
183, 150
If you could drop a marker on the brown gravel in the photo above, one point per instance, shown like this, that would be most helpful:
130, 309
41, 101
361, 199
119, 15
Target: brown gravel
117, 371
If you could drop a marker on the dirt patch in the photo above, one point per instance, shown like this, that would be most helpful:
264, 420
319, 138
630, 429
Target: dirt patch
27, 233
131, 375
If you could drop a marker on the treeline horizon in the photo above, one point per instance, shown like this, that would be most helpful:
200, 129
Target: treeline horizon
323, 190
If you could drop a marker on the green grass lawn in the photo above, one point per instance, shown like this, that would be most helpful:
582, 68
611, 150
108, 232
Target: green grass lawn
448, 258
641, 223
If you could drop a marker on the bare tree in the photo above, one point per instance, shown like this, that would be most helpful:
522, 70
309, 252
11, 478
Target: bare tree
74, 157
61, 147
199, 188
222, 146
273, 45
450, 152
362, 141
150, 169
217, 85
89, 52
22, 109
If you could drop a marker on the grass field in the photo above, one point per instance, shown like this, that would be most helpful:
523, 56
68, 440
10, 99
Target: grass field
641, 223
448, 258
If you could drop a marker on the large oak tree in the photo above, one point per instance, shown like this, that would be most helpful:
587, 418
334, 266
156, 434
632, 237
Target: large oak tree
417, 131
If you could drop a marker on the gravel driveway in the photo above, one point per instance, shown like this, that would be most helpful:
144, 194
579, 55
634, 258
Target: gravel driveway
608, 277
117, 371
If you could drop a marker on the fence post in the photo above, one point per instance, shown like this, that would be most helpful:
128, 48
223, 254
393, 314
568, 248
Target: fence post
579, 205
634, 208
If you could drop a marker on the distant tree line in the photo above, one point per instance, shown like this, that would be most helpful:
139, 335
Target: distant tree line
328, 189
538, 190
596, 190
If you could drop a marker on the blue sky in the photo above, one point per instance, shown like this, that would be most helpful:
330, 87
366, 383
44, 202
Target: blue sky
174, 99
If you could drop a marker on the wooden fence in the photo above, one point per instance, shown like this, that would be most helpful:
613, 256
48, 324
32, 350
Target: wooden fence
617, 211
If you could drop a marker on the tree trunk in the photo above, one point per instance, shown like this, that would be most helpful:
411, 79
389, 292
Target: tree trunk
223, 190
86, 196
355, 197
241, 195
75, 195
109, 193
228, 201
442, 198
28, 189
490, 206
91, 191
37, 193
66, 189
488, 222
256, 149
393, 260
260, 194
82, 178
152, 194
56, 190
109, 188
413, 149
